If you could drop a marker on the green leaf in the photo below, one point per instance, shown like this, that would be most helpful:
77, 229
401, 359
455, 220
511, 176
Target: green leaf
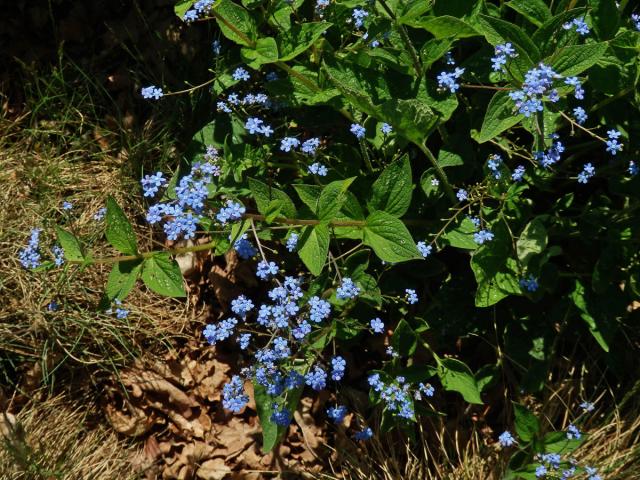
391, 192
266, 51
526, 423
536, 11
236, 23
161, 274
547, 36
181, 7
412, 9
271, 432
297, 39
363, 88
557, 442
309, 194
574, 60
119, 231
532, 241
389, 238
273, 210
314, 247
434, 50
606, 18
456, 376
404, 339
581, 302
332, 198
70, 245
445, 27
500, 116
413, 119
498, 31
461, 236
122, 279
264, 194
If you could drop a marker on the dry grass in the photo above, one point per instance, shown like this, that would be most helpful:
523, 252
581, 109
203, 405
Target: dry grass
50, 439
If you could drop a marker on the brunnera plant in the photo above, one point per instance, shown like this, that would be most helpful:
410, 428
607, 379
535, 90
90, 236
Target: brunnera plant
418, 170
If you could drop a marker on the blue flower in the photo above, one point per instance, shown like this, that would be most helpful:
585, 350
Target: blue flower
613, 146
233, 396
318, 169
462, 195
580, 114
338, 365
30, 255
240, 74
310, 146
151, 183
58, 255
244, 340
518, 173
633, 169
483, 236
347, 289
292, 241
67, 205
245, 248
99, 215
241, 306
447, 80
502, 53
281, 417
573, 432
232, 211
358, 130
289, 143
364, 434
575, 83
152, 92
318, 309
587, 172
530, 283
337, 413
587, 406
216, 47
635, 18
377, 325
541, 471
581, 27
494, 163
506, 439
358, 16
266, 269
424, 249
316, 378
411, 296
254, 125
222, 331
386, 129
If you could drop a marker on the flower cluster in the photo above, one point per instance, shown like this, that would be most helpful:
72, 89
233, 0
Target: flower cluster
396, 395
448, 80
502, 54
579, 24
587, 172
152, 92
30, 255
552, 155
538, 83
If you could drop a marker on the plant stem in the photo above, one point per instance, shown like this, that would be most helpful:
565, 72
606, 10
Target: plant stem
404, 35
441, 175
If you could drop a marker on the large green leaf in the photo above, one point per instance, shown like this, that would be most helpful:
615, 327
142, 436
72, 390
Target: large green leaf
551, 34
391, 192
265, 51
70, 245
574, 60
404, 339
271, 432
580, 299
119, 231
461, 235
236, 23
413, 119
389, 238
445, 26
264, 194
532, 241
536, 11
499, 117
314, 247
332, 198
181, 7
122, 279
527, 425
309, 194
161, 274
606, 18
297, 39
498, 31
456, 376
